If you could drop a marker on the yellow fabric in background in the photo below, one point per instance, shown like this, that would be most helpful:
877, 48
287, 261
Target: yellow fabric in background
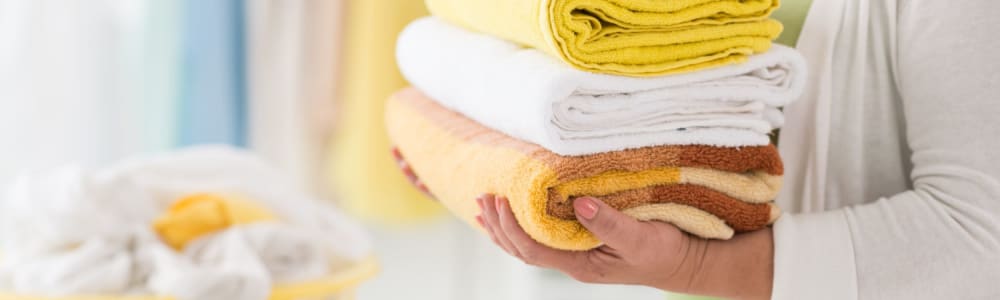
197, 215
365, 175
625, 37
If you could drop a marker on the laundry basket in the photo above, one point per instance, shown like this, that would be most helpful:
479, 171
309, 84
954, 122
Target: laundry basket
335, 286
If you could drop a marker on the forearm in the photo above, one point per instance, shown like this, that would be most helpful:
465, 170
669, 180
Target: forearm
740, 268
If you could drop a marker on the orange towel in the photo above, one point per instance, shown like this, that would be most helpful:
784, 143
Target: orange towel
708, 191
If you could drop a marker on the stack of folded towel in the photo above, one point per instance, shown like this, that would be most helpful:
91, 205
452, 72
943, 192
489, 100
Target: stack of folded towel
661, 109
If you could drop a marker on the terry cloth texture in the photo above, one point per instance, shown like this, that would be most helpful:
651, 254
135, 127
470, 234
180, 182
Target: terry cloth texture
741, 216
634, 37
458, 160
573, 112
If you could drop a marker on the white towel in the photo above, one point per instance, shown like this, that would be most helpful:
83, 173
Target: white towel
527, 94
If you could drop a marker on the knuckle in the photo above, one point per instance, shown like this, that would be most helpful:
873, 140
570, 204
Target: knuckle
529, 255
586, 276
611, 226
639, 237
593, 261
581, 276
530, 262
514, 251
591, 273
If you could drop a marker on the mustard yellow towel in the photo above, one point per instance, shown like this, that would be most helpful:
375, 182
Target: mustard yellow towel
707, 191
625, 37
200, 214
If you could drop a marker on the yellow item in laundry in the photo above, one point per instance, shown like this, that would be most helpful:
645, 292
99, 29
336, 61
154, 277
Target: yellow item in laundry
196, 215
365, 176
625, 37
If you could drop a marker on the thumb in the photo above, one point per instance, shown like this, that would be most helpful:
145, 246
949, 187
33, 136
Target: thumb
612, 227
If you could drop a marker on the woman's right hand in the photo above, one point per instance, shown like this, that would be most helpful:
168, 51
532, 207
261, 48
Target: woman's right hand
408, 171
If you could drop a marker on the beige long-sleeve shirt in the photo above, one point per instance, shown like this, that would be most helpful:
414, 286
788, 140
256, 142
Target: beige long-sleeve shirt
893, 156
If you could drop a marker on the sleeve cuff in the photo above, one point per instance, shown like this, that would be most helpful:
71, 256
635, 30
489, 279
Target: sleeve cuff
814, 257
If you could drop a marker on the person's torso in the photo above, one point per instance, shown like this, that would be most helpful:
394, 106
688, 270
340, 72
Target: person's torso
866, 155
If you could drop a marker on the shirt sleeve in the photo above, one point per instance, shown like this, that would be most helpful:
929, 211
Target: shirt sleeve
941, 239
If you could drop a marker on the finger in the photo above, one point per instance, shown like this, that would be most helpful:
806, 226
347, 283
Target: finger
404, 166
512, 230
407, 170
493, 237
492, 220
615, 229
411, 176
534, 253
409, 173
479, 202
396, 154
482, 221
423, 187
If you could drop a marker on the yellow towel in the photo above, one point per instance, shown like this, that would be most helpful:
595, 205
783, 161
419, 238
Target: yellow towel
365, 176
707, 191
625, 37
196, 215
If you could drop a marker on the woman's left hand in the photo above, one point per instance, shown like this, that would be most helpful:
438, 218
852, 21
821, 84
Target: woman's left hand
654, 254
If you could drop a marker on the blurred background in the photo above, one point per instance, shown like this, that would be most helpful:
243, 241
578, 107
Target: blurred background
299, 82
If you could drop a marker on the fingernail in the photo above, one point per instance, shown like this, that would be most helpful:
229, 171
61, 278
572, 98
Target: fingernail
585, 207
479, 219
497, 203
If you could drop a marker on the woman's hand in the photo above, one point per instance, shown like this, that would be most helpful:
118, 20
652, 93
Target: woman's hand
654, 254
408, 171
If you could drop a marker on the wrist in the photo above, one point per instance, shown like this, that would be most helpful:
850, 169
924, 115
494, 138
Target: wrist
740, 268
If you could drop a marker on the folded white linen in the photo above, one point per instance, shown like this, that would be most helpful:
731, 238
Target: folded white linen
534, 97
